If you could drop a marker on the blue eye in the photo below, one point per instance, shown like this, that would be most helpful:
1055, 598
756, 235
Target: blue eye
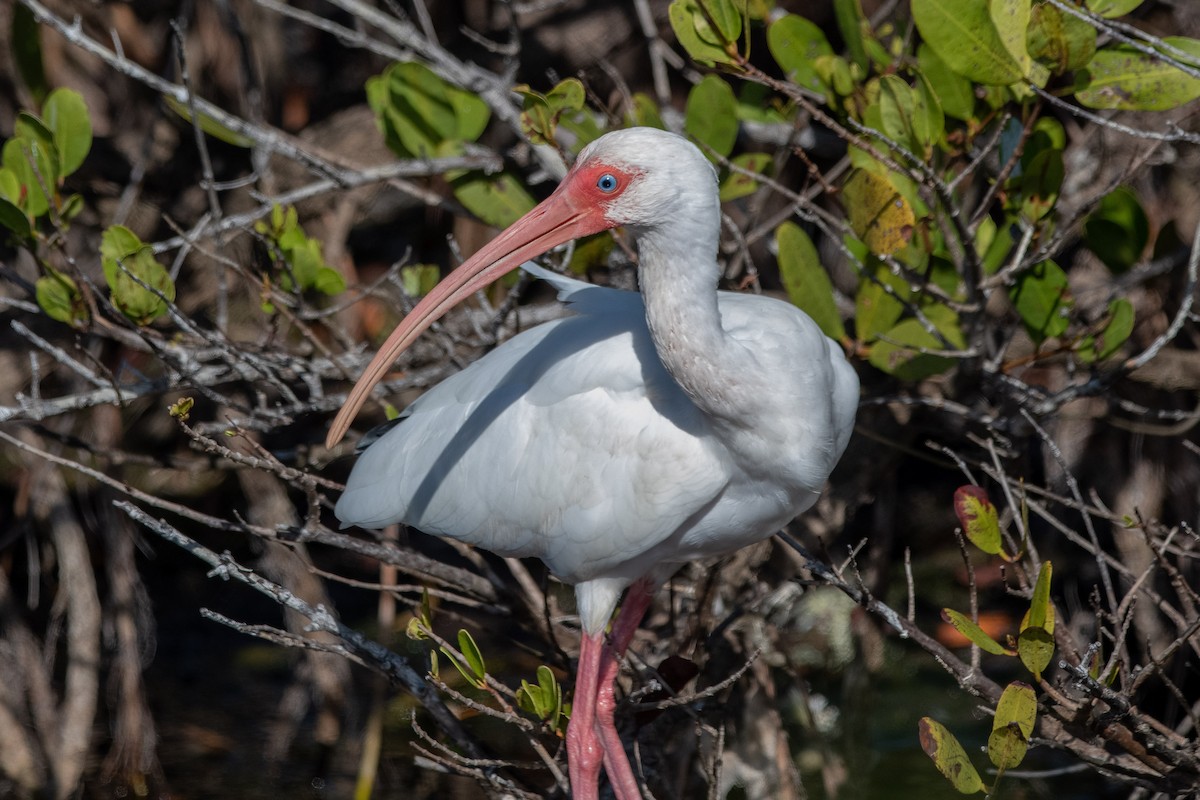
607, 183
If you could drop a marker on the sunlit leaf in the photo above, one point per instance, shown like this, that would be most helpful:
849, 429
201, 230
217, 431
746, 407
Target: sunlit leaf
1112, 8
644, 112
498, 200
1012, 726
471, 653
904, 350
34, 165
1061, 41
949, 756
877, 212
1035, 644
686, 17
735, 184
978, 518
1121, 77
806, 281
875, 308
965, 36
975, 634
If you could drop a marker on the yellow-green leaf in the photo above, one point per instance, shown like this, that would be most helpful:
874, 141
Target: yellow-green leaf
949, 756
967, 627
686, 18
878, 213
978, 518
1120, 77
1061, 41
735, 184
67, 117
209, 124
965, 36
1112, 8
1012, 726
1114, 334
903, 351
418, 280
498, 200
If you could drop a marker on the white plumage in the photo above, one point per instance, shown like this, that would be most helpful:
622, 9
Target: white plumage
615, 444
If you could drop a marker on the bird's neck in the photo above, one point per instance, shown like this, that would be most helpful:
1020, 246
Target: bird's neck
678, 276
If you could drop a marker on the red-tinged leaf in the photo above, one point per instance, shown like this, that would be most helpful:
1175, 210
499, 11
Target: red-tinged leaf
978, 518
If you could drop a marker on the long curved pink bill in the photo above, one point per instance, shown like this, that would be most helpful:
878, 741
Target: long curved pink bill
553, 222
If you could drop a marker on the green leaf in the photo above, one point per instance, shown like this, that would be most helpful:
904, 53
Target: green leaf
967, 627
853, 26
965, 36
875, 309
128, 264
1042, 300
686, 18
27, 52
978, 518
877, 212
1012, 726
209, 124
1011, 19
795, 43
13, 218
471, 653
418, 280
33, 164
590, 252
1035, 643
711, 114
644, 112
61, 299
1114, 334
806, 281
1063, 42
67, 117
1118, 230
1039, 184
949, 756
541, 113
725, 17
498, 200
955, 92
738, 184
1120, 77
1112, 8
902, 351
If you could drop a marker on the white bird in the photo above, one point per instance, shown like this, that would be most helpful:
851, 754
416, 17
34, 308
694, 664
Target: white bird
643, 432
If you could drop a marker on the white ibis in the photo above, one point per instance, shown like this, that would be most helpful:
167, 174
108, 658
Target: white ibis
617, 444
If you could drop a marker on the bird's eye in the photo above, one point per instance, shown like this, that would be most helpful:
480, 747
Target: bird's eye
607, 183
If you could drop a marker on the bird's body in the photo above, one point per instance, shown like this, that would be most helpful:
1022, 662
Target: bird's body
616, 444
571, 443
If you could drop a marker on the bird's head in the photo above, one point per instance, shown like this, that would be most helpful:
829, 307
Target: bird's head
639, 177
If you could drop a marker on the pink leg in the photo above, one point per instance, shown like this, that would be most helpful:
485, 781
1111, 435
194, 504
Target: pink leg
585, 752
616, 762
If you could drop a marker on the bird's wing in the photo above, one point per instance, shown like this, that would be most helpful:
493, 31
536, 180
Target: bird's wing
569, 442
